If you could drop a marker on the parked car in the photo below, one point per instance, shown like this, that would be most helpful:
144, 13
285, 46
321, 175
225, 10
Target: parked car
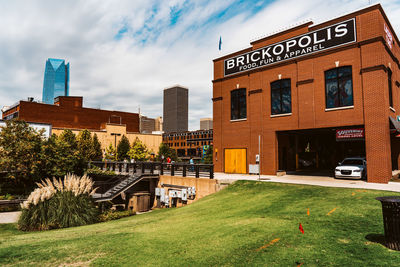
355, 168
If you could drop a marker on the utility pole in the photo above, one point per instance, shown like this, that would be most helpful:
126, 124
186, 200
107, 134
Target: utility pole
259, 157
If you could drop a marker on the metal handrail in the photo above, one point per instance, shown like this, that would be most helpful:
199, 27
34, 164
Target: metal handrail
187, 169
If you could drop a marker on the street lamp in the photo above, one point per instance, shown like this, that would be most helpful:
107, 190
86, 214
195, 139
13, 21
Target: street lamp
115, 139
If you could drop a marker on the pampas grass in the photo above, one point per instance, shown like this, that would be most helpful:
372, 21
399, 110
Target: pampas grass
59, 204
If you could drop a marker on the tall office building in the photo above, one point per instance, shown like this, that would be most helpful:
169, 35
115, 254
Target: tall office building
175, 117
56, 80
206, 124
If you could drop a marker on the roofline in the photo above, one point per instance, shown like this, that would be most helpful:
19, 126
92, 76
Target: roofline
10, 107
187, 131
176, 85
282, 31
312, 25
41, 123
19, 103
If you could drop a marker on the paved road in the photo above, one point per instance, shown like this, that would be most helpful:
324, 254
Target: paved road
312, 180
9, 217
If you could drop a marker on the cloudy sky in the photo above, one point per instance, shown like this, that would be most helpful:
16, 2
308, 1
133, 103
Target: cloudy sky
124, 53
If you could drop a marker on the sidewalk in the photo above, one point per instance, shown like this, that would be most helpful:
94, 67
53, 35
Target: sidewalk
311, 180
9, 217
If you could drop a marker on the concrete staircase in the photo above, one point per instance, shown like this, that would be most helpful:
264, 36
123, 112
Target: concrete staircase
121, 187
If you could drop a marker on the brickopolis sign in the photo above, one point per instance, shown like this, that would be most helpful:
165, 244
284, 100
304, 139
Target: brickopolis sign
329, 37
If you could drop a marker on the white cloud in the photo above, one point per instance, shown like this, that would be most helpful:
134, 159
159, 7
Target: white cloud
124, 73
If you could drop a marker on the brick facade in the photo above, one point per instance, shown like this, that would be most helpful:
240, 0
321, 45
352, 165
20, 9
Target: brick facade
370, 58
68, 112
189, 143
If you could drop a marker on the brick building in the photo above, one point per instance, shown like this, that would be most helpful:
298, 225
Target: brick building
307, 97
190, 143
68, 112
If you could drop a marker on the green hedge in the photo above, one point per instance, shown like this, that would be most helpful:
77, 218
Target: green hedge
114, 215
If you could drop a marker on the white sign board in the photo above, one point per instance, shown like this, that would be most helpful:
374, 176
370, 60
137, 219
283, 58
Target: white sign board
36, 126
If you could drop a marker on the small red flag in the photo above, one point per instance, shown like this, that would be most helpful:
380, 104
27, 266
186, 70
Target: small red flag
301, 228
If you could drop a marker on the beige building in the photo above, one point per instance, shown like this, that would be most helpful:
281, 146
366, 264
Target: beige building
159, 124
112, 134
206, 124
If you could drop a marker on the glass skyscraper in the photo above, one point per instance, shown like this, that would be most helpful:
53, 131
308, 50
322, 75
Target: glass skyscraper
56, 80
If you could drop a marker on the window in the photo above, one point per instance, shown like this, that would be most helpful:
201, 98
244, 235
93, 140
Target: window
238, 104
339, 87
390, 87
281, 101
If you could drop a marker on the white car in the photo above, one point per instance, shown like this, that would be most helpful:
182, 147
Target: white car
355, 168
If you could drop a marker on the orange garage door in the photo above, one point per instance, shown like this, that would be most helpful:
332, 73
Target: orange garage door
235, 160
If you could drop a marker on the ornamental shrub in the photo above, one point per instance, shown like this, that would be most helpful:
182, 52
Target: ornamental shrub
59, 204
115, 215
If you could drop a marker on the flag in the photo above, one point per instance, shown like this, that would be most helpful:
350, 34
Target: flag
301, 228
220, 43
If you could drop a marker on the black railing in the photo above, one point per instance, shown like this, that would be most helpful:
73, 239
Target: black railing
11, 203
147, 167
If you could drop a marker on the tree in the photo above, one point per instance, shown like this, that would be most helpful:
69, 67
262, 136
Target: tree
166, 151
110, 153
20, 147
97, 152
123, 148
208, 157
69, 157
138, 151
51, 158
85, 146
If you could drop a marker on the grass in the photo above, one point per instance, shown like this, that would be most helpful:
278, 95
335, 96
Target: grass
248, 223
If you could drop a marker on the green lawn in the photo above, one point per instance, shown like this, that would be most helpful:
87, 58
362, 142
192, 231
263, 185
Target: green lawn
232, 227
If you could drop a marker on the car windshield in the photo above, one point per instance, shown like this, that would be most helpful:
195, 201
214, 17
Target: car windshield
352, 162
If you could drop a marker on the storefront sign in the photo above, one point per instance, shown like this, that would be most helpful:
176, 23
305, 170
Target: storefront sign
349, 134
329, 37
389, 37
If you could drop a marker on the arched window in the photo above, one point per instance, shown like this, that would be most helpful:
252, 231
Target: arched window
339, 87
281, 100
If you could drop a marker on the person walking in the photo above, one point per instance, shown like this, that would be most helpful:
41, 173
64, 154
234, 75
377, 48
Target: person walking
191, 163
168, 163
